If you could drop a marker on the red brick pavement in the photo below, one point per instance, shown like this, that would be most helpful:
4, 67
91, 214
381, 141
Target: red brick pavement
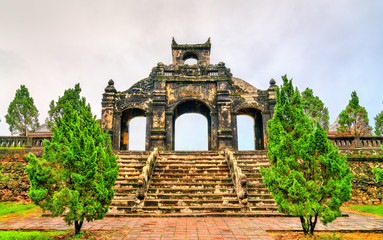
197, 228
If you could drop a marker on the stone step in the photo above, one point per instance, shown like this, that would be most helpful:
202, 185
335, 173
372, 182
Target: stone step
183, 209
192, 171
189, 202
191, 175
179, 190
191, 180
188, 185
208, 214
206, 196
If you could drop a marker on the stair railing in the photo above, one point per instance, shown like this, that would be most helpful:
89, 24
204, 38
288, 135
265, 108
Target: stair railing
144, 178
239, 179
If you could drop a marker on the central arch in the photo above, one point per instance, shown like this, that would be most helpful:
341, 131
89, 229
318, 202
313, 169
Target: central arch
192, 106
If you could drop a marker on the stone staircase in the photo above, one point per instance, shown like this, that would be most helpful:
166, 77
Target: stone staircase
131, 164
260, 199
191, 183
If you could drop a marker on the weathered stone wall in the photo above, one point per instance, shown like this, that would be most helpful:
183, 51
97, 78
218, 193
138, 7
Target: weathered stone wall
14, 182
365, 188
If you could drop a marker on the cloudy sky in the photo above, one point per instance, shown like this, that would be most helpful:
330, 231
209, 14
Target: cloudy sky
333, 47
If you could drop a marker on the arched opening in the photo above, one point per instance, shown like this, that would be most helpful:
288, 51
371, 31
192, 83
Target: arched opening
191, 132
190, 58
245, 126
127, 116
256, 125
192, 106
137, 133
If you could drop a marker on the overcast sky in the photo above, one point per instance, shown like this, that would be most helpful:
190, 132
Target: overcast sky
333, 47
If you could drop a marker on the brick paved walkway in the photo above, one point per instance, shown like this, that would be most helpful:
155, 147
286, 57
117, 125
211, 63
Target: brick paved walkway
196, 228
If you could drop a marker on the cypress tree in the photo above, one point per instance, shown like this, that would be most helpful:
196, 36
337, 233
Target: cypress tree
307, 177
77, 171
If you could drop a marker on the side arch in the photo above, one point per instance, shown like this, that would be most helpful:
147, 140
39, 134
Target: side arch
256, 115
126, 115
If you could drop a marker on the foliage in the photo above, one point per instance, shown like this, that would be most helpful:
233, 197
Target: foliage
22, 113
379, 124
373, 209
14, 207
28, 235
378, 172
307, 176
315, 109
72, 97
77, 171
354, 119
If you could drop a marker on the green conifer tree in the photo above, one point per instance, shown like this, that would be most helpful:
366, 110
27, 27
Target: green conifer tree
71, 96
77, 171
379, 124
315, 109
354, 119
307, 177
22, 113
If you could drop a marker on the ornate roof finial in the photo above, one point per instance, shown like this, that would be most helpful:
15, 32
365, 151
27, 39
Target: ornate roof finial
174, 42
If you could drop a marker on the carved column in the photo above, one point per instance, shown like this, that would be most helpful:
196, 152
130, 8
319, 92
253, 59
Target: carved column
268, 112
158, 132
225, 127
108, 108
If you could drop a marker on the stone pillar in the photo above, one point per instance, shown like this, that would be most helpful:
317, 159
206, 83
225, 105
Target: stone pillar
158, 132
169, 115
268, 112
235, 130
224, 108
214, 130
116, 140
108, 108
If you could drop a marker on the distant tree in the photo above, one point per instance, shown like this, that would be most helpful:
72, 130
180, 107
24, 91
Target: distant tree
71, 96
378, 171
315, 109
307, 177
354, 119
22, 113
379, 124
77, 171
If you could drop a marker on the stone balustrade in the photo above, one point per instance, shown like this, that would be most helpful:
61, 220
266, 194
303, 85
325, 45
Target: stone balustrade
239, 178
22, 142
144, 178
355, 142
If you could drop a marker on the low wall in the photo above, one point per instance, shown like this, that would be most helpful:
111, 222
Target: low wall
14, 183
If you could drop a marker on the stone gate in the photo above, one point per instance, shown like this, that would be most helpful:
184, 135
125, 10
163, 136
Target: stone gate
179, 88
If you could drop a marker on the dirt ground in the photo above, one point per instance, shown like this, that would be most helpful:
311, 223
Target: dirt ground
282, 235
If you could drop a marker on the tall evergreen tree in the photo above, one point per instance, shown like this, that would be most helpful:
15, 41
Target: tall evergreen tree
307, 176
71, 96
77, 171
354, 119
379, 124
315, 109
22, 113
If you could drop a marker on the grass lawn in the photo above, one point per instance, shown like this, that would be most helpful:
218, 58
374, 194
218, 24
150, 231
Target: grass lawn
9, 210
28, 235
372, 209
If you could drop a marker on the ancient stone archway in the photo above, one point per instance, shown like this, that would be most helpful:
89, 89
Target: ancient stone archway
171, 90
191, 106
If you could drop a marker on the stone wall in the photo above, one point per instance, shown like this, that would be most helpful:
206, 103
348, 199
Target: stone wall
14, 182
365, 188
